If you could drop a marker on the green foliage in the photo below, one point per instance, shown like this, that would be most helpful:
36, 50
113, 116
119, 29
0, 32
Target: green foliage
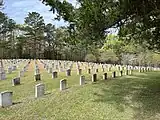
7, 37
87, 32
35, 33
114, 43
128, 53
142, 22
156, 60
91, 19
108, 56
136, 20
90, 58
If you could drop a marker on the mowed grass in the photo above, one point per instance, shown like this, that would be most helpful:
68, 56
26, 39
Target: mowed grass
135, 97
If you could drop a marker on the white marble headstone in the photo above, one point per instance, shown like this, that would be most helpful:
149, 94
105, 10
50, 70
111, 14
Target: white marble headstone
5, 99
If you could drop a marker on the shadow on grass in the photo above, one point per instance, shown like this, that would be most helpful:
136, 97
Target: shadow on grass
140, 92
15, 103
48, 93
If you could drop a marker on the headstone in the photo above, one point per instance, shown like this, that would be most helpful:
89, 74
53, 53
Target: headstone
44, 66
126, 72
50, 70
63, 84
146, 69
16, 81
60, 69
118, 68
121, 73
82, 80
68, 72
2, 69
21, 73
37, 77
39, 90
143, 70
25, 69
36, 66
109, 68
103, 70
5, 99
105, 76
89, 71
94, 77
14, 67
9, 70
79, 71
47, 67
54, 74
96, 70
37, 71
52, 65
130, 72
2, 76
56, 66
113, 74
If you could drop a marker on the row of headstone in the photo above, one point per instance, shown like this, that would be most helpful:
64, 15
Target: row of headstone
92, 67
6, 97
37, 75
2, 71
64, 65
11, 68
16, 81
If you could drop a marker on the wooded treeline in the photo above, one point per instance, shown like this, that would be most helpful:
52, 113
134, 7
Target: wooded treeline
35, 39
87, 37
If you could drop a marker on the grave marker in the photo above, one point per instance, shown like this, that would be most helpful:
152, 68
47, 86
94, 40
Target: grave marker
63, 84
16, 81
5, 99
121, 73
68, 72
89, 71
21, 73
37, 77
126, 72
82, 80
79, 72
105, 76
94, 77
113, 74
9, 70
54, 74
39, 90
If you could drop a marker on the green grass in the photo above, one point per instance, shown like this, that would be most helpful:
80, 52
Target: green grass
135, 97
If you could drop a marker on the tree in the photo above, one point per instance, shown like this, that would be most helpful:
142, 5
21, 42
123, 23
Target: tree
90, 58
91, 19
35, 33
1, 3
7, 27
108, 56
136, 20
49, 38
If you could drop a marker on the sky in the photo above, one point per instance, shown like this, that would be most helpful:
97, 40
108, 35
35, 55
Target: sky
18, 10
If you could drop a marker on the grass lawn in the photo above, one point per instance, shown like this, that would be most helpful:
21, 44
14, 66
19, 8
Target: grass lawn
135, 97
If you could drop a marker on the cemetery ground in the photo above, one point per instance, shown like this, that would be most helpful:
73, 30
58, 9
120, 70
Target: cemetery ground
133, 97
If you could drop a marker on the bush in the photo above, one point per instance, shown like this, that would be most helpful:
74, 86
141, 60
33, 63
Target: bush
108, 56
90, 58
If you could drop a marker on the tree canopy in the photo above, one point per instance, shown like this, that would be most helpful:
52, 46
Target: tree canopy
89, 34
135, 20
